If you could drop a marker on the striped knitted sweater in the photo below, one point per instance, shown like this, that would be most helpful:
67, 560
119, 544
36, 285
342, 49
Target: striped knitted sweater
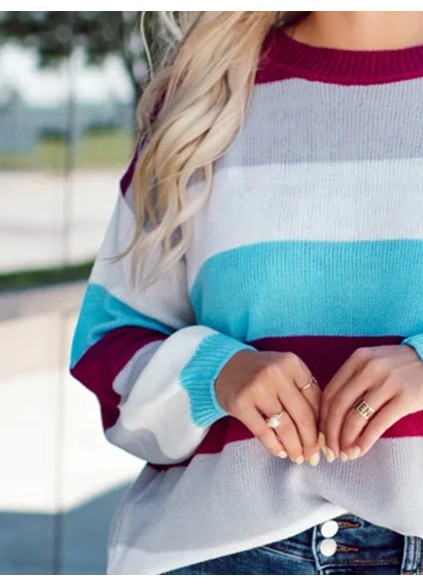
312, 242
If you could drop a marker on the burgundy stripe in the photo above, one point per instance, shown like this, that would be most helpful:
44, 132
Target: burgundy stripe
126, 179
283, 57
323, 355
100, 365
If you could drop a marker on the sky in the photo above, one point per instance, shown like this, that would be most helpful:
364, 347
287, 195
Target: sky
47, 87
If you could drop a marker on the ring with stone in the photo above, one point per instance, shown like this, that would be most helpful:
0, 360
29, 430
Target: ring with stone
274, 420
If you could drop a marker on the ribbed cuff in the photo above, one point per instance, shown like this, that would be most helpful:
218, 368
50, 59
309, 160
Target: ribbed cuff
416, 342
199, 375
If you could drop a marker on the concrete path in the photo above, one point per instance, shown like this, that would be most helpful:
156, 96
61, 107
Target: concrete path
61, 479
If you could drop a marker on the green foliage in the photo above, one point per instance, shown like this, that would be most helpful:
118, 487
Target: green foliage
100, 149
55, 34
37, 278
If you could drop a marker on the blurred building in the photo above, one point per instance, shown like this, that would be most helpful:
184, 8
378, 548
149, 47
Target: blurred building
36, 102
18, 132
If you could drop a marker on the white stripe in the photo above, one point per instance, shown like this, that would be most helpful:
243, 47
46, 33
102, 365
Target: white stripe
126, 378
155, 422
333, 201
165, 300
244, 497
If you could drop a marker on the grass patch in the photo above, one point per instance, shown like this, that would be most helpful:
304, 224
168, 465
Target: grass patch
40, 277
96, 150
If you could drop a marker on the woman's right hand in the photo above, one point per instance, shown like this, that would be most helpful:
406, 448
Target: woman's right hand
254, 385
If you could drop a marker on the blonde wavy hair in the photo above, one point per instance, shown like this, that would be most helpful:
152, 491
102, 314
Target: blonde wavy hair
203, 83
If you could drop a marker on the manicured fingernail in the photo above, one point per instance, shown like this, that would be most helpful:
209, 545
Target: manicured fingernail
329, 454
355, 453
322, 440
314, 459
299, 460
344, 457
282, 454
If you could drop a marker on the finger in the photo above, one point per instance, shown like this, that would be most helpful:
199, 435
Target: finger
258, 426
342, 376
302, 416
313, 394
341, 402
380, 422
289, 437
354, 423
301, 375
302, 406
337, 411
286, 431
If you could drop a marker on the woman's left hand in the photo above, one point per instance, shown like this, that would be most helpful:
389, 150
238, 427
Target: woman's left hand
389, 378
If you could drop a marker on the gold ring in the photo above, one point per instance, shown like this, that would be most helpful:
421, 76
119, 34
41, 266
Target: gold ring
364, 409
311, 382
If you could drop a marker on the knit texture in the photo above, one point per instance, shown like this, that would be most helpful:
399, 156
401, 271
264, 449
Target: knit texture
312, 242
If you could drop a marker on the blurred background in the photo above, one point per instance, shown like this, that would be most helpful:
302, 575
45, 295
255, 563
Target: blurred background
69, 82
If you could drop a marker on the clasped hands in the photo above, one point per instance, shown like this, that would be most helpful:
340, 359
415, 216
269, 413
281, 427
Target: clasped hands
389, 378
263, 389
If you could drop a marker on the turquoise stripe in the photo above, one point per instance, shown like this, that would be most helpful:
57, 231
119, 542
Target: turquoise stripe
102, 312
415, 342
313, 288
199, 375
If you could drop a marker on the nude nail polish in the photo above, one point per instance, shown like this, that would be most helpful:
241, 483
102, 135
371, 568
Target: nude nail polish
314, 459
329, 454
322, 440
355, 453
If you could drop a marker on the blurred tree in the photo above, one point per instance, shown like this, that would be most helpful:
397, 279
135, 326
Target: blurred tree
56, 34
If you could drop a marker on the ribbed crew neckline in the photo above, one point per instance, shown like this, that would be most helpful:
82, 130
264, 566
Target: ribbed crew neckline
347, 66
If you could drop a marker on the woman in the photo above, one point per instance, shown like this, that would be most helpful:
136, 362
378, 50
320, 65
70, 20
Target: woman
275, 207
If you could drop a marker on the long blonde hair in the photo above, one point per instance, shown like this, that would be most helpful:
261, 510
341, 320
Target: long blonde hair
203, 84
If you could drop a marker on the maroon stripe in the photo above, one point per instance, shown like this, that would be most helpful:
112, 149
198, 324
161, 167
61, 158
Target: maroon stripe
323, 355
100, 365
270, 67
126, 179
283, 57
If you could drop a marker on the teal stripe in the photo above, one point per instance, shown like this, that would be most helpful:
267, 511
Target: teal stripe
102, 312
200, 373
303, 287
415, 342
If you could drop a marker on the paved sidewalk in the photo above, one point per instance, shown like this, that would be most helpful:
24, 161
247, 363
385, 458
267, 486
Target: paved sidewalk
61, 479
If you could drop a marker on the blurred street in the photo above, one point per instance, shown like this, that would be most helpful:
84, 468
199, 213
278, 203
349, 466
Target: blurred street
47, 219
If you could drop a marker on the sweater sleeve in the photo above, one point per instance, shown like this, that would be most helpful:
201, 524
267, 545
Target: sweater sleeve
415, 342
150, 365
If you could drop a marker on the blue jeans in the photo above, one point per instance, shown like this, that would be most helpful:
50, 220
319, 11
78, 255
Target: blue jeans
344, 545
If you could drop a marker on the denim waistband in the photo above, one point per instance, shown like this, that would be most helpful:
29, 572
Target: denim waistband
412, 560
351, 541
